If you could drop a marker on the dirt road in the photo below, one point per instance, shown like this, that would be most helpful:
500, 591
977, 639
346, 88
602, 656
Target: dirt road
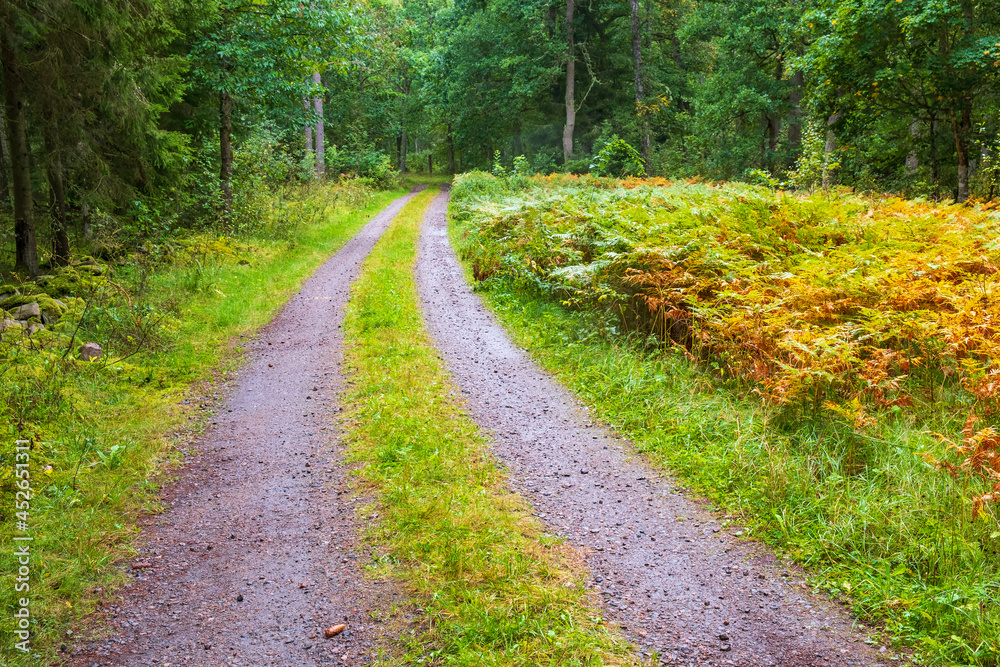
666, 569
257, 552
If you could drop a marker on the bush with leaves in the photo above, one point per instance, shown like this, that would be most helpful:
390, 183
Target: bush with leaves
372, 165
618, 159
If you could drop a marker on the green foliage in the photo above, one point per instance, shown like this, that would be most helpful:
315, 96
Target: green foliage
617, 159
808, 172
372, 165
498, 169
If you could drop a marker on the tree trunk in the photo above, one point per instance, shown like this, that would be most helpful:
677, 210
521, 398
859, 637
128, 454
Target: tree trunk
640, 91
430, 164
935, 170
60, 235
88, 226
773, 130
795, 113
402, 152
451, 151
26, 251
308, 131
320, 144
226, 152
774, 119
912, 159
570, 84
830, 170
962, 127
4, 162
518, 147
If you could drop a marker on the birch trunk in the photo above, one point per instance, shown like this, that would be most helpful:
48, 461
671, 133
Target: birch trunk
912, 159
308, 130
795, 113
320, 143
570, 85
640, 91
962, 128
451, 151
226, 153
829, 167
402, 152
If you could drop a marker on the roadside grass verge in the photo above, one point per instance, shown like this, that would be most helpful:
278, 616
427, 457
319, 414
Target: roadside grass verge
494, 588
104, 434
875, 524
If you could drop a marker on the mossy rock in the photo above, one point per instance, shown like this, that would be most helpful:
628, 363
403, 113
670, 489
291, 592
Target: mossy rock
12, 302
52, 309
91, 269
66, 283
90, 266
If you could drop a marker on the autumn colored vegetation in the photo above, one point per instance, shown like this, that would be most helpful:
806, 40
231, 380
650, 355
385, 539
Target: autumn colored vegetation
844, 349
843, 303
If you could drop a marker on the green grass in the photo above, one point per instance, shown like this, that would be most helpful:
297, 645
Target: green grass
493, 588
104, 435
859, 508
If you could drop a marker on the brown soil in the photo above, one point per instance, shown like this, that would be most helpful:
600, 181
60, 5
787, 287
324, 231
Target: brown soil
677, 580
258, 551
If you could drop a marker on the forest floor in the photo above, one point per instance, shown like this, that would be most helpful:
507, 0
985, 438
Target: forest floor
262, 548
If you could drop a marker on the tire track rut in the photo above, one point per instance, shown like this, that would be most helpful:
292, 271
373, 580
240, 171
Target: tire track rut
256, 554
666, 570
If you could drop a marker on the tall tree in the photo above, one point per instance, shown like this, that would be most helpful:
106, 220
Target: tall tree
15, 106
57, 187
267, 55
640, 91
4, 161
568, 128
923, 60
318, 133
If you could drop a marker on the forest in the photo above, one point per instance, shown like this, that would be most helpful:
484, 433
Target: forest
752, 246
128, 118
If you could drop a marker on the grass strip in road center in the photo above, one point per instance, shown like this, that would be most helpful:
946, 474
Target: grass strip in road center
495, 588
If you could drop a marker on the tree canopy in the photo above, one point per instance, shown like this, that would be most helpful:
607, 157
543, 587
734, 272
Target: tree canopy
134, 114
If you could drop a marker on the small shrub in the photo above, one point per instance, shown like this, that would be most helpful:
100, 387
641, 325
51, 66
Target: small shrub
618, 159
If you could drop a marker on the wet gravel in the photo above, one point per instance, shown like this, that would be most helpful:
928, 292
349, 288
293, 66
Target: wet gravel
667, 570
257, 553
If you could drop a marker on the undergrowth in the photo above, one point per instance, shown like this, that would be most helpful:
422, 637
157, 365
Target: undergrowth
494, 588
103, 433
839, 472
